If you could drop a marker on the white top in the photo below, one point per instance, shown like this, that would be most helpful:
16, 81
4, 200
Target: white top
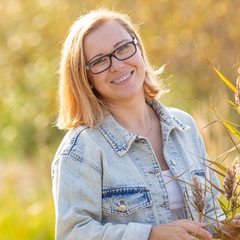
175, 196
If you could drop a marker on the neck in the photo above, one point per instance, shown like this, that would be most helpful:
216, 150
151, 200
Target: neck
135, 118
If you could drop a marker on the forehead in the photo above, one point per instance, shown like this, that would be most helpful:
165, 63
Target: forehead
104, 38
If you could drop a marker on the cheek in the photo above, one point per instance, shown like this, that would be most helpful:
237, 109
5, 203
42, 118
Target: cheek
141, 65
139, 60
92, 78
96, 80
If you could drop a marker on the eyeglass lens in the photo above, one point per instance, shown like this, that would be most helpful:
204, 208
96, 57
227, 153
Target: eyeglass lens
122, 53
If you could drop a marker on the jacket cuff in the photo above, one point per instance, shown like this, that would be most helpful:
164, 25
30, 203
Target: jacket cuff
136, 231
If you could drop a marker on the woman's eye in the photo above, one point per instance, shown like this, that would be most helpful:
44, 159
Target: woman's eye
123, 48
99, 61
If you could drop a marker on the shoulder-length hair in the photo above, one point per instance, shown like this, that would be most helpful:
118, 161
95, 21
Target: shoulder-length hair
78, 103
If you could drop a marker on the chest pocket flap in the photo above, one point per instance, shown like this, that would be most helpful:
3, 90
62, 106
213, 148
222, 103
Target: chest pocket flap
126, 200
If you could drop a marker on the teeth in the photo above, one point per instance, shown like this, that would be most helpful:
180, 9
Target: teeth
122, 79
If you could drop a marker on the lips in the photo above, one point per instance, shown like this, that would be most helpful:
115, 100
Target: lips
122, 79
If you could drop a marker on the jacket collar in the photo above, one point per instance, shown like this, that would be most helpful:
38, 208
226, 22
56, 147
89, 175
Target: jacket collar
121, 140
166, 118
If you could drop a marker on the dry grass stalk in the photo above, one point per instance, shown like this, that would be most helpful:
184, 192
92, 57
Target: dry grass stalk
199, 196
234, 202
230, 181
237, 93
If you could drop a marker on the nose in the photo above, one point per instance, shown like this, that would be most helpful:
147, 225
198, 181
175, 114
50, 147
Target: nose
116, 64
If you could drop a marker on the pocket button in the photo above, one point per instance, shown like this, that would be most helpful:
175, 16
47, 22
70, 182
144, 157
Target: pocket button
122, 208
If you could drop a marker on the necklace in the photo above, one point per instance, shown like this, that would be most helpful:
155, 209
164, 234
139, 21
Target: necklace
149, 130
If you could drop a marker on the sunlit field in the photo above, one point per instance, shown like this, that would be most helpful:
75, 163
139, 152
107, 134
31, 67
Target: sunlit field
31, 34
25, 202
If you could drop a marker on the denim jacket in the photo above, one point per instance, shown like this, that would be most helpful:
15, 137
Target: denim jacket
107, 182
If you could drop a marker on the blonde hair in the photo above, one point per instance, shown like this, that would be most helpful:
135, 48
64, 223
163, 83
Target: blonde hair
78, 103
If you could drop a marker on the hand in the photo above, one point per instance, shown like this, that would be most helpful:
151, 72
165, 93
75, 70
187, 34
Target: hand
180, 230
231, 230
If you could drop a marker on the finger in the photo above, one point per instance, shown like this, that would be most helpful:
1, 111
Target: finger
200, 232
193, 222
195, 232
193, 238
195, 229
237, 216
235, 223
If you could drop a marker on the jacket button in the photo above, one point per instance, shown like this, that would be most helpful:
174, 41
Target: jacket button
164, 205
154, 171
173, 162
122, 208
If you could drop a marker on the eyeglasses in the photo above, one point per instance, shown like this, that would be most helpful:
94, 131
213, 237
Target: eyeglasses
122, 53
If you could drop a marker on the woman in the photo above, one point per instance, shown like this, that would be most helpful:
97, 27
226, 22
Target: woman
113, 174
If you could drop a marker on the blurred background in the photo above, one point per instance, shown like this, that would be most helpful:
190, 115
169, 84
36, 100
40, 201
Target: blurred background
31, 36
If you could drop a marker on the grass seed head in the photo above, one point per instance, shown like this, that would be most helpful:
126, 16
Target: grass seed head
230, 181
237, 93
199, 194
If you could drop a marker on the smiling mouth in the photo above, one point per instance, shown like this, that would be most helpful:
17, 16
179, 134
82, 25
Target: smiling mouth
123, 78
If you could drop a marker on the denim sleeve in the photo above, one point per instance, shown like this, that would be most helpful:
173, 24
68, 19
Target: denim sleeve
137, 231
77, 197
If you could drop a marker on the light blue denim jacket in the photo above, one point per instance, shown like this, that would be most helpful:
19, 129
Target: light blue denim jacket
107, 182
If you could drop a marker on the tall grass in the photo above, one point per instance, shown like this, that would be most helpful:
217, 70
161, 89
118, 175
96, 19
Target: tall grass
26, 205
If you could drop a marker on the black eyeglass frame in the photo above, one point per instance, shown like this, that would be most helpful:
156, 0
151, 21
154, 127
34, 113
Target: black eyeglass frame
112, 54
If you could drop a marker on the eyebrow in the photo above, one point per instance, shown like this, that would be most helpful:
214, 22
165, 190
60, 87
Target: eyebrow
101, 54
121, 42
